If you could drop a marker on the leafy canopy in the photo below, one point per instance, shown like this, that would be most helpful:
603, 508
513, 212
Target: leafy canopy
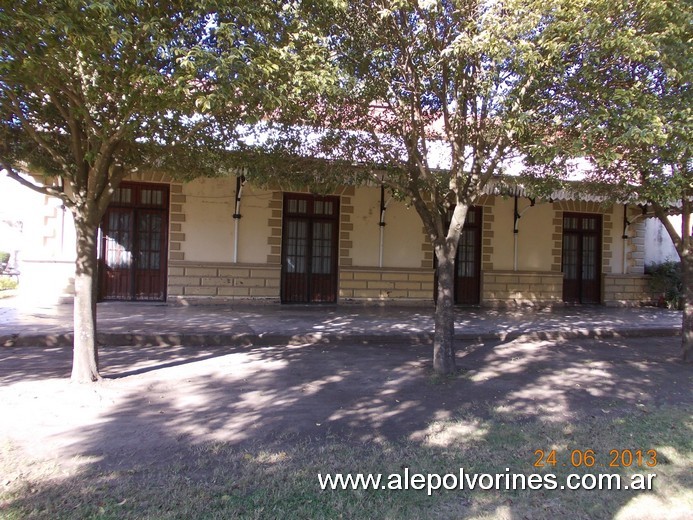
91, 91
432, 95
624, 97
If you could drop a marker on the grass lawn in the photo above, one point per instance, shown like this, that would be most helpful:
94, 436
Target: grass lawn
280, 480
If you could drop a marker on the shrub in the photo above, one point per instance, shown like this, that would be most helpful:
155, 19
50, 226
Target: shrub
7, 283
666, 281
4, 257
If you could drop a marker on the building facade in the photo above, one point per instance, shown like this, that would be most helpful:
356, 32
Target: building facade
215, 240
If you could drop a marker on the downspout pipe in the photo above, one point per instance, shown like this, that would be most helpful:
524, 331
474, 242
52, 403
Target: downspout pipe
240, 181
61, 189
516, 224
624, 236
383, 207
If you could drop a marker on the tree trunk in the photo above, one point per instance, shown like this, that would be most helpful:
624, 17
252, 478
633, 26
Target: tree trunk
85, 362
687, 322
443, 345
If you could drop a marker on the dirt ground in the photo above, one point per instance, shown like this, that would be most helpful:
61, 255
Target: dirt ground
155, 401
242, 432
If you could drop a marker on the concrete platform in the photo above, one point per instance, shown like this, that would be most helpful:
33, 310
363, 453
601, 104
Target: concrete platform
129, 323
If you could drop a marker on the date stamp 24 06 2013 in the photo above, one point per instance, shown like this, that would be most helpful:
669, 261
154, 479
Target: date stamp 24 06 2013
588, 458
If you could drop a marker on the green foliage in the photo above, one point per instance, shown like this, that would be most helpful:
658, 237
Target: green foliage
665, 280
85, 86
269, 62
430, 98
624, 99
93, 91
7, 283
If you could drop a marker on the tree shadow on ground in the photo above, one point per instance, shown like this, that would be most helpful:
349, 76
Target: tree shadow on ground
276, 397
23, 364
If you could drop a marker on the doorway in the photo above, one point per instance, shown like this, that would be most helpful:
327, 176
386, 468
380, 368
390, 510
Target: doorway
310, 233
582, 256
467, 281
134, 244
468, 260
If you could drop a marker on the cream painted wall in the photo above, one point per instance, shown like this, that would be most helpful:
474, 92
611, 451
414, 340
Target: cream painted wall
209, 229
402, 234
208, 225
617, 243
658, 245
534, 240
502, 258
365, 235
209, 222
252, 230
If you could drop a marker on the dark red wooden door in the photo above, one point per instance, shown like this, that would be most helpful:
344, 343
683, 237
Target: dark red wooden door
150, 278
581, 264
133, 247
309, 249
468, 260
116, 262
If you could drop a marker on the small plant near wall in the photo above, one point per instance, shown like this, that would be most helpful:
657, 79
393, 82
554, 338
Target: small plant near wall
7, 283
666, 282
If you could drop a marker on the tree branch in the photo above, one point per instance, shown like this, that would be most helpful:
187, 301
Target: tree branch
79, 103
97, 182
662, 216
76, 134
118, 173
43, 190
430, 220
58, 158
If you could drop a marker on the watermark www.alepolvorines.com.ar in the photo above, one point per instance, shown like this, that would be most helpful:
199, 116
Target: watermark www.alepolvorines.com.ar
483, 481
